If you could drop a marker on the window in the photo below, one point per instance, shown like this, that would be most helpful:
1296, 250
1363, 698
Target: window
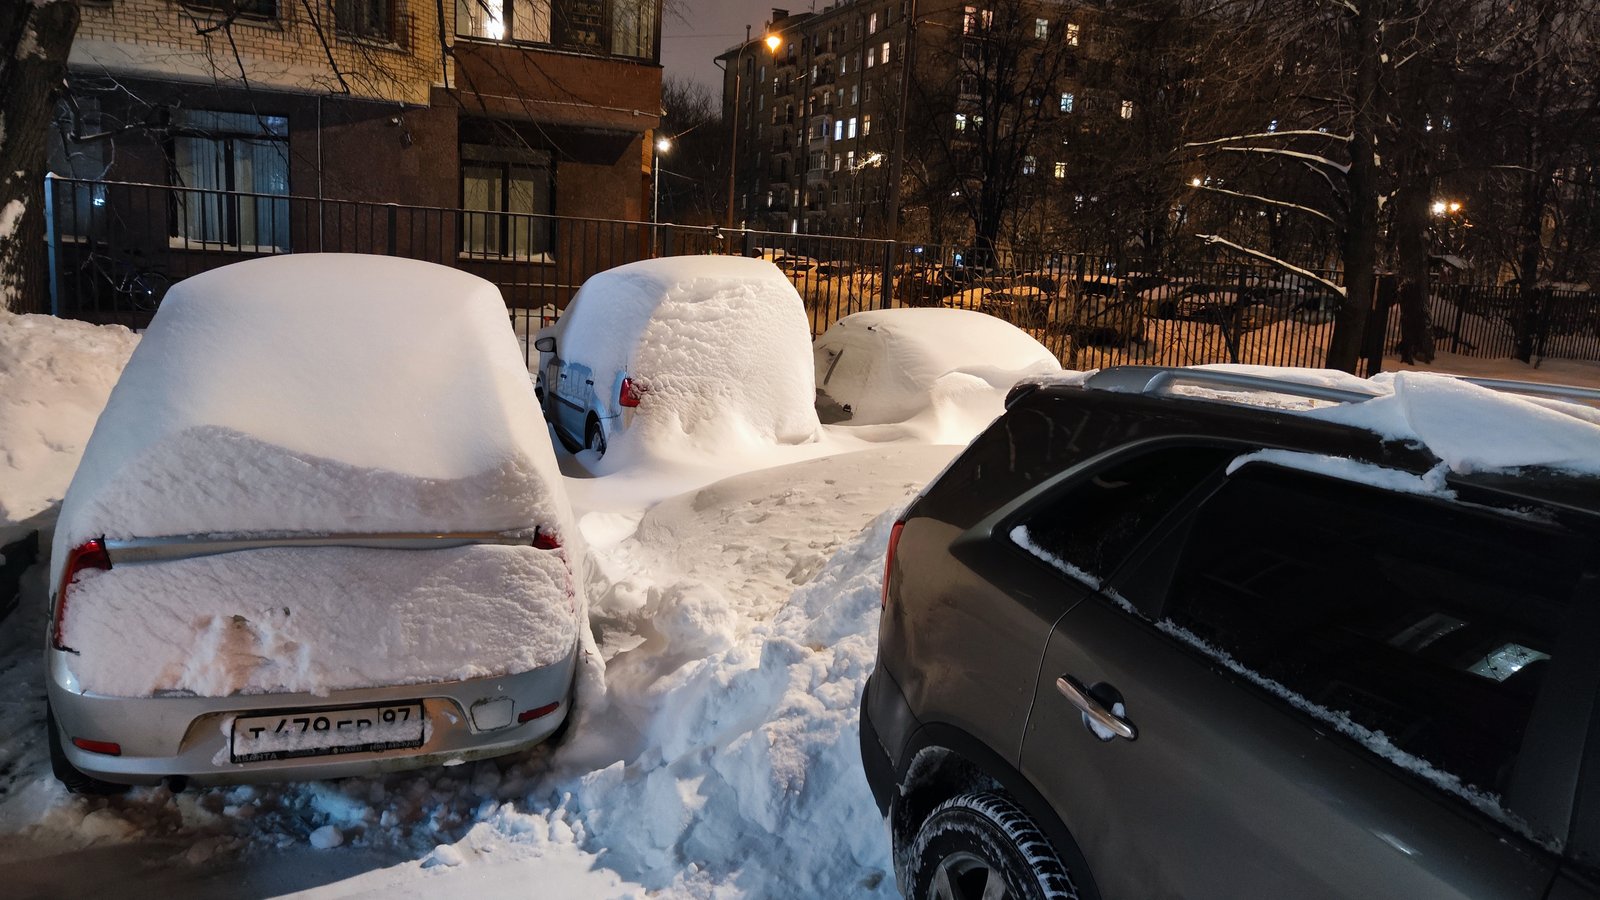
883, 53
1041, 29
500, 20
1072, 34
1126, 111
974, 19
368, 19
838, 129
1067, 102
866, 125
850, 161
961, 121
872, 24
866, 92
1030, 165
872, 59
855, 93
231, 165
1061, 170
851, 130
1093, 526
1428, 622
505, 196
251, 9
838, 160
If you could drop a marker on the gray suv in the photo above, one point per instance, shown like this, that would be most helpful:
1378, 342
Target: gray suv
1135, 646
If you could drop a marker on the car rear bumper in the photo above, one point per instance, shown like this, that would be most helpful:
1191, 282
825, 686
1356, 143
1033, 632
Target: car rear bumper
190, 736
886, 722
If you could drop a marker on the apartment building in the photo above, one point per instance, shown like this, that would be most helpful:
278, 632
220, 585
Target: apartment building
816, 100
498, 108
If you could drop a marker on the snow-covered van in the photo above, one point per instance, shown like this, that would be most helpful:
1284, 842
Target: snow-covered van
318, 531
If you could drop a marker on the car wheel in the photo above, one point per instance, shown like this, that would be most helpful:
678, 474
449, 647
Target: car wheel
594, 438
73, 780
982, 845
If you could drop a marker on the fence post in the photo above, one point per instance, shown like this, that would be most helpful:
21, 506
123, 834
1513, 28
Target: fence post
394, 226
886, 281
52, 261
1461, 322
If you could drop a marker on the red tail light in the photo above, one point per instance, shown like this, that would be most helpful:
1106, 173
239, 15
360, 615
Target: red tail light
528, 715
630, 393
88, 555
544, 540
888, 558
107, 747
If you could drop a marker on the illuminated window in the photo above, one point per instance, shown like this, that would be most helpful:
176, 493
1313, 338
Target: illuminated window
1072, 35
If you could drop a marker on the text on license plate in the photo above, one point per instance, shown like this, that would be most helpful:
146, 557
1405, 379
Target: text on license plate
318, 732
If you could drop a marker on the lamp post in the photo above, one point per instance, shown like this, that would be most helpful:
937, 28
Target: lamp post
773, 42
663, 145
907, 60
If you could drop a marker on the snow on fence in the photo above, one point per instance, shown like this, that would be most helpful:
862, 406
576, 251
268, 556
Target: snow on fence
116, 247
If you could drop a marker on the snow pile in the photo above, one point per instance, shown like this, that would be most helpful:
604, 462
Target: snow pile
720, 345
280, 620
319, 393
1448, 416
55, 376
888, 365
752, 771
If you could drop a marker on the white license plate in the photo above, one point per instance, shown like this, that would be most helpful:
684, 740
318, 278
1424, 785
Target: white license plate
319, 732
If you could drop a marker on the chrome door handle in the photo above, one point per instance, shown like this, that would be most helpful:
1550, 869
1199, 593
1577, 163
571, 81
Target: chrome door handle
1079, 696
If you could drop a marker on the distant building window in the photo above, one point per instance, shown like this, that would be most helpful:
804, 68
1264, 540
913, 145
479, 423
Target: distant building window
1030, 165
1041, 29
250, 9
505, 197
866, 125
231, 169
1127, 109
502, 20
1068, 101
872, 24
837, 161
368, 19
1072, 34
961, 121
1061, 170
884, 53
851, 130
615, 27
872, 59
974, 19
838, 129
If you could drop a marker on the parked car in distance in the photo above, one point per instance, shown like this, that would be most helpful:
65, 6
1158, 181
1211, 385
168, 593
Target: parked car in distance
707, 346
1200, 633
317, 531
880, 366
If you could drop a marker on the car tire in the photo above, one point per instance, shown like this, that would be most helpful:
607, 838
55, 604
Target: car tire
594, 438
73, 780
974, 844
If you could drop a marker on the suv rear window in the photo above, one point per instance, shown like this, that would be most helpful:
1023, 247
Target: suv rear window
1095, 523
1428, 622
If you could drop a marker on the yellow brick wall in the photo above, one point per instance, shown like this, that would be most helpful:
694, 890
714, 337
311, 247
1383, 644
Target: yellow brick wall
165, 39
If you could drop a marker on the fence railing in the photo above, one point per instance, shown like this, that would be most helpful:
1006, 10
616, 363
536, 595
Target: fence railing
116, 247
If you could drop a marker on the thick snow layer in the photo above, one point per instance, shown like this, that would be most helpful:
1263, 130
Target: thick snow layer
55, 375
720, 344
1354, 470
319, 393
318, 620
885, 364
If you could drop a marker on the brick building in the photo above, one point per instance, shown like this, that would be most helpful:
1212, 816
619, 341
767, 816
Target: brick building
507, 110
816, 118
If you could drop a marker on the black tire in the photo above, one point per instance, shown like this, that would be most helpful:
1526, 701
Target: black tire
971, 843
73, 780
594, 438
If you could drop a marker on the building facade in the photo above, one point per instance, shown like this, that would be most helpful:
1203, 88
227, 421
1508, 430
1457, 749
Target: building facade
252, 112
818, 118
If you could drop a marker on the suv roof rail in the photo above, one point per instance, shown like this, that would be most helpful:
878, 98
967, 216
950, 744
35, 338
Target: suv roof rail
1156, 379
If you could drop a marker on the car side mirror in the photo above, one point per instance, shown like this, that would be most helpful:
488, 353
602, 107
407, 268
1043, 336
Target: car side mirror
546, 344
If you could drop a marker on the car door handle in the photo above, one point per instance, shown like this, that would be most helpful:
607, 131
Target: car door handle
1079, 696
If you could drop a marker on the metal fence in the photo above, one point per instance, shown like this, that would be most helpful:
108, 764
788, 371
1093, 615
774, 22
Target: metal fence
116, 247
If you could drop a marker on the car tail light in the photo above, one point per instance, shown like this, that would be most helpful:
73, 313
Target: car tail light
107, 747
528, 715
630, 393
544, 540
888, 558
87, 555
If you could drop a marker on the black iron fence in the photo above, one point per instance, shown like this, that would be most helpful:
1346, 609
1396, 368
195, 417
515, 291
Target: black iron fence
116, 248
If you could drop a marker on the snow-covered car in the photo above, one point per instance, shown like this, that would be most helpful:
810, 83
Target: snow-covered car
709, 349
881, 365
317, 531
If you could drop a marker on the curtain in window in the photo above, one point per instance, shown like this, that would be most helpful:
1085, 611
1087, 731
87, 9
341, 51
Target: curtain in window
481, 189
263, 168
202, 166
633, 27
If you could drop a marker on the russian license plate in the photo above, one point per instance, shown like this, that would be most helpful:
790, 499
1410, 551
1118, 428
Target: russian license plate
320, 732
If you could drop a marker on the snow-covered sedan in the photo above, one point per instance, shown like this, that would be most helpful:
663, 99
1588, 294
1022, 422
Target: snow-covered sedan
697, 351
318, 531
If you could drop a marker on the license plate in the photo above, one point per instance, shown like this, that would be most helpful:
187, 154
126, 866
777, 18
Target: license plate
320, 732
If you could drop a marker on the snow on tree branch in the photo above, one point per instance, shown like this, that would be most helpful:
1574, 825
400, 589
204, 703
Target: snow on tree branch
1273, 260
1271, 202
1309, 158
1272, 134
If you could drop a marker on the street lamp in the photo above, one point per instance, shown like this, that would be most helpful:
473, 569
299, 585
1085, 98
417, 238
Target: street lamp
773, 42
663, 145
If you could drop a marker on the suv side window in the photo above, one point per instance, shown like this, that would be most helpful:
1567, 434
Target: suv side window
1427, 622
1097, 521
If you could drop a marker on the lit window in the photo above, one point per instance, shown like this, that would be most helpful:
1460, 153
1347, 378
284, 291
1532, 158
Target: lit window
836, 160
1127, 109
872, 59
866, 125
850, 160
1041, 29
872, 24
884, 53
1273, 125
961, 121
838, 129
1067, 102
1072, 34
1030, 165
1061, 170
851, 131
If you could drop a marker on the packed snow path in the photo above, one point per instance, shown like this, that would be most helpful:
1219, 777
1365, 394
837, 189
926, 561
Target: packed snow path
739, 622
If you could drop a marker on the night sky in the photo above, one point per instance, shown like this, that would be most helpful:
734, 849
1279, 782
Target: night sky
712, 26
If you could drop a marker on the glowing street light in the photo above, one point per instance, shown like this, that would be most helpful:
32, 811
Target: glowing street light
1439, 207
664, 145
1195, 181
774, 42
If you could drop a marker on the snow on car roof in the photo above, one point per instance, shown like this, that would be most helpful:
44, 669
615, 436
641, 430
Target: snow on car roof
319, 393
